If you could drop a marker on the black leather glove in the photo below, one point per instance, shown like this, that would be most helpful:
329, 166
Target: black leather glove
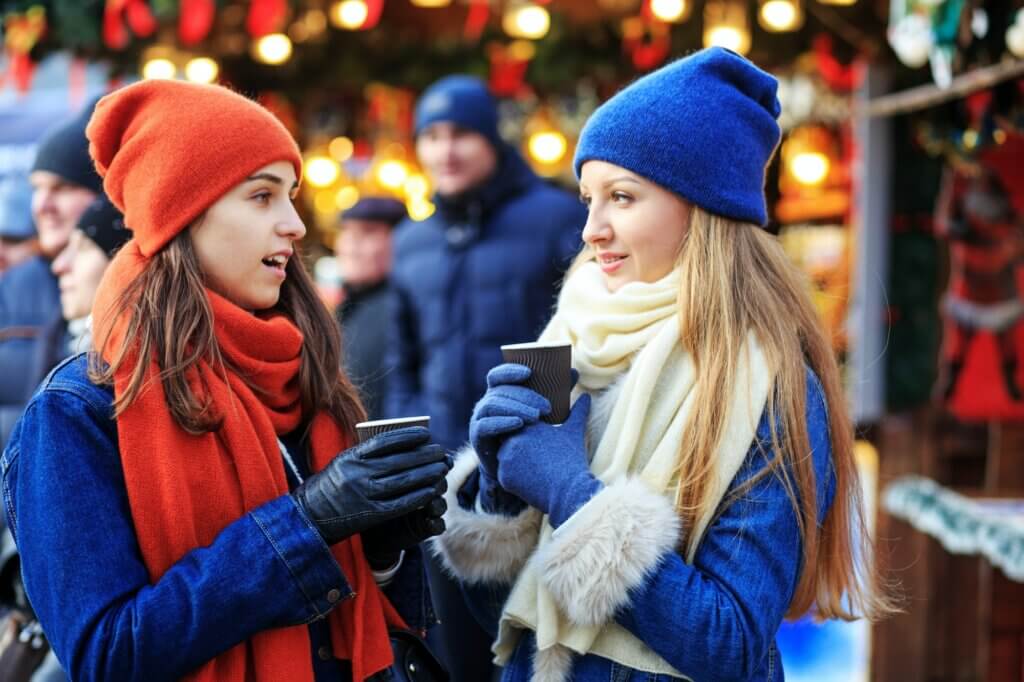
383, 543
384, 478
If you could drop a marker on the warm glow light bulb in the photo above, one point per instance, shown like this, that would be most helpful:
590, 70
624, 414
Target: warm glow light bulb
431, 3
668, 10
321, 171
346, 197
548, 146
274, 48
420, 209
202, 70
779, 15
527, 21
416, 186
341, 148
725, 36
810, 168
392, 174
159, 68
349, 14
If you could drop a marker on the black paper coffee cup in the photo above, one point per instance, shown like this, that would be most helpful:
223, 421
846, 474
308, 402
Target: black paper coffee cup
367, 430
552, 378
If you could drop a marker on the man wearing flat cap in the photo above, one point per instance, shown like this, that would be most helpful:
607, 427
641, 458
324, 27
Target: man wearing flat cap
363, 252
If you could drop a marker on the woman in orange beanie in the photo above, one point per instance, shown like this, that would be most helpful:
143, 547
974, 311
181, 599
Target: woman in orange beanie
178, 495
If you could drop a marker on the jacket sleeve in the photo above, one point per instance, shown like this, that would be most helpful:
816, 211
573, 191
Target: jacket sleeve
66, 503
403, 394
716, 619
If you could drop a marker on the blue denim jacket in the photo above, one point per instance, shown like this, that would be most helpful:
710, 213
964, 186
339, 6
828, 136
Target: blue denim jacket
714, 620
66, 503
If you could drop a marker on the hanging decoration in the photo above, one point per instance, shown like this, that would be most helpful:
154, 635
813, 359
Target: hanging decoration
476, 19
139, 18
21, 33
265, 17
508, 67
195, 19
926, 31
836, 75
646, 40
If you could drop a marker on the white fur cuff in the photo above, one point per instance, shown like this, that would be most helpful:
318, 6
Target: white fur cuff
477, 547
606, 549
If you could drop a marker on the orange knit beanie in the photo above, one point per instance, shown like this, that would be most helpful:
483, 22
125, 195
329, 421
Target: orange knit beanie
167, 150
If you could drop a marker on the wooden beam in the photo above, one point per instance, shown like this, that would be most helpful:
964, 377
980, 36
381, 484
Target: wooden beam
926, 96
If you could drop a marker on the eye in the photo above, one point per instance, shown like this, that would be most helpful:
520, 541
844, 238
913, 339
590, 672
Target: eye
621, 197
262, 198
585, 200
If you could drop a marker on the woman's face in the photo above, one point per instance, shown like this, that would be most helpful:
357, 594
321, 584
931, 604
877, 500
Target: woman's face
79, 269
634, 226
245, 239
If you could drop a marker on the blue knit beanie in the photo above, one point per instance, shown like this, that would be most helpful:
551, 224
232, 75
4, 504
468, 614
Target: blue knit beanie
462, 100
703, 127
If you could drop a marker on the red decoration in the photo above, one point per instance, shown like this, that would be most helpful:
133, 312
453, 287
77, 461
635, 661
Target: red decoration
266, 16
476, 19
508, 71
836, 76
21, 33
140, 21
646, 40
195, 19
373, 12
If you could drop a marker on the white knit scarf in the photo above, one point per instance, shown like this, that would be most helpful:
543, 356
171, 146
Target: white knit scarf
633, 331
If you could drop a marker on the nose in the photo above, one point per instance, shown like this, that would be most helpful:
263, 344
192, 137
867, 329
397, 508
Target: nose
597, 228
62, 263
291, 225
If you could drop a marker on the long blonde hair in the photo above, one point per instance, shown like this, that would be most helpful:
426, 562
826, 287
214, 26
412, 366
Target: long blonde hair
735, 279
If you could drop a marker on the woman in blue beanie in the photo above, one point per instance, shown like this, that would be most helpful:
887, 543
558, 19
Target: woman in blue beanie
703, 487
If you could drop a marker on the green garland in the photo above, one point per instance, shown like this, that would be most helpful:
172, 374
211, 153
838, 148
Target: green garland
961, 525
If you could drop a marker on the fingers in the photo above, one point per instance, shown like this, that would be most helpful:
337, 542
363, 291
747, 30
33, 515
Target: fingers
390, 442
430, 477
400, 461
489, 427
579, 413
502, 405
508, 373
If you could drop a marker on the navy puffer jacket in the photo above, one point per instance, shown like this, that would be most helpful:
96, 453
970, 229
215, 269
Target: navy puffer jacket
483, 271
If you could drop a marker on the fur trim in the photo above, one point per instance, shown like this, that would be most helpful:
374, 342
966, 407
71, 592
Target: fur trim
552, 664
606, 549
477, 547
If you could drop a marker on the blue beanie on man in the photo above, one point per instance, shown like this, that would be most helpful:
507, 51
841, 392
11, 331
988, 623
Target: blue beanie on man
462, 100
703, 127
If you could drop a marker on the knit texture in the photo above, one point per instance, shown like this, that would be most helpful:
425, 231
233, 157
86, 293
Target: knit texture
703, 127
184, 489
64, 151
463, 100
104, 225
167, 150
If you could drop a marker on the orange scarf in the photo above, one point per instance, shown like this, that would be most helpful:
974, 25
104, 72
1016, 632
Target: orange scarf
184, 489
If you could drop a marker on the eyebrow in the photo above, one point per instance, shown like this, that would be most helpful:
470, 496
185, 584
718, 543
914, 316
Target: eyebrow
272, 178
621, 178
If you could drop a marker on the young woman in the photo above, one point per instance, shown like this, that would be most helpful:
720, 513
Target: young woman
178, 497
711, 490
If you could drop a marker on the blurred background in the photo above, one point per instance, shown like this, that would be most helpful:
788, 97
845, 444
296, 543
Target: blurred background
898, 188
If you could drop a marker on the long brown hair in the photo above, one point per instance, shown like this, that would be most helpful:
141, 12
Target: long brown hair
735, 279
170, 319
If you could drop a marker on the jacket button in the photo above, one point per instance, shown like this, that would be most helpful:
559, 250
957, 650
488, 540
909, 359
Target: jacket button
334, 595
324, 653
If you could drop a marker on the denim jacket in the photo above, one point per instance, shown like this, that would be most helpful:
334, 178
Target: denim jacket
66, 503
713, 620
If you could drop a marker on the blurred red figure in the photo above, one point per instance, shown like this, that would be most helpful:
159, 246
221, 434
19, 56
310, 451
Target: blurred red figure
986, 248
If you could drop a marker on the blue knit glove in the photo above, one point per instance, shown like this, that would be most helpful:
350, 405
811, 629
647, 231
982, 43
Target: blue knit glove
547, 467
505, 408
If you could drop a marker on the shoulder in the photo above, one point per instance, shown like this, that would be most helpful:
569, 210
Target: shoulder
552, 202
70, 380
411, 235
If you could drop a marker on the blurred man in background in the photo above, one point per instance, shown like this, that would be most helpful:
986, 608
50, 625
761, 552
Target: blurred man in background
481, 272
363, 252
64, 183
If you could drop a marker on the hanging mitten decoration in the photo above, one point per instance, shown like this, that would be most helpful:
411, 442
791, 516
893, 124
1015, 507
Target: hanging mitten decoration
266, 16
508, 70
646, 40
21, 33
195, 19
836, 75
476, 19
136, 12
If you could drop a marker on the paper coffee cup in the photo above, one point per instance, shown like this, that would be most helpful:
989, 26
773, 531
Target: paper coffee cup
551, 364
367, 430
